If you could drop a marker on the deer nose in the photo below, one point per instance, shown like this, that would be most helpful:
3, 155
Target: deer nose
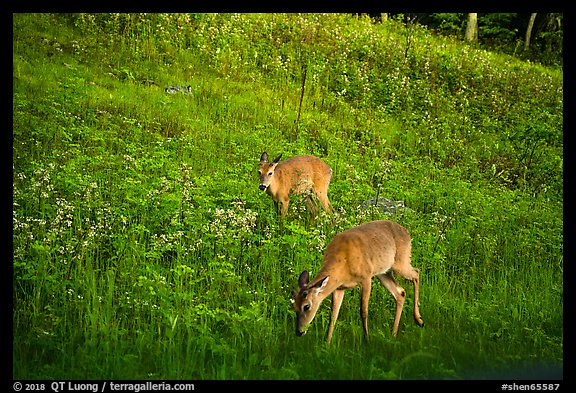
262, 187
300, 333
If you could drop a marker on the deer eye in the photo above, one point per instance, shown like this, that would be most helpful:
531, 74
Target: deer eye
270, 173
306, 307
259, 172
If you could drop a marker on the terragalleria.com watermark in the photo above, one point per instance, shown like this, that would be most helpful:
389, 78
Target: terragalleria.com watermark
101, 387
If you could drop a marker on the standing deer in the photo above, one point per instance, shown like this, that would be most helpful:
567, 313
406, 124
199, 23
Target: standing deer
353, 257
297, 175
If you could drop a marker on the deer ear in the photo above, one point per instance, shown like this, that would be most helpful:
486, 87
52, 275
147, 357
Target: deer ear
264, 157
320, 285
303, 279
277, 159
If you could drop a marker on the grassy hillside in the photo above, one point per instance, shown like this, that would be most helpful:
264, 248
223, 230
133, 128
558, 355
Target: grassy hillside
142, 247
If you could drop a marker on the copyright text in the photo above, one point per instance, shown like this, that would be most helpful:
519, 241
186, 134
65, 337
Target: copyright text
101, 387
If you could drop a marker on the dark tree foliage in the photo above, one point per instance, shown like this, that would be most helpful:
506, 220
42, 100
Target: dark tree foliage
503, 32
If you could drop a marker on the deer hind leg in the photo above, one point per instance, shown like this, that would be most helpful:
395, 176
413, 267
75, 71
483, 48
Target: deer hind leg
311, 203
387, 279
323, 198
416, 281
413, 274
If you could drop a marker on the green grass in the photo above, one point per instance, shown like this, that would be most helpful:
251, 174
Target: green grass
143, 249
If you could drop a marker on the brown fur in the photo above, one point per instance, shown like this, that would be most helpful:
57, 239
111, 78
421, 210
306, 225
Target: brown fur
353, 257
297, 175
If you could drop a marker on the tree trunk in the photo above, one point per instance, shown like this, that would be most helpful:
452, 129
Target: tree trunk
472, 27
529, 30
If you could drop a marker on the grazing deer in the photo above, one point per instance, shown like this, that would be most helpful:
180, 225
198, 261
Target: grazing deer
297, 175
353, 257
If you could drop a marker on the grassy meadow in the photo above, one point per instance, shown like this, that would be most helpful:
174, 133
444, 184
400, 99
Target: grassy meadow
143, 248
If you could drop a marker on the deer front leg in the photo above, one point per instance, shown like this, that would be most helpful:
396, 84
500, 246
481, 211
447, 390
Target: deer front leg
282, 204
365, 289
337, 297
276, 207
